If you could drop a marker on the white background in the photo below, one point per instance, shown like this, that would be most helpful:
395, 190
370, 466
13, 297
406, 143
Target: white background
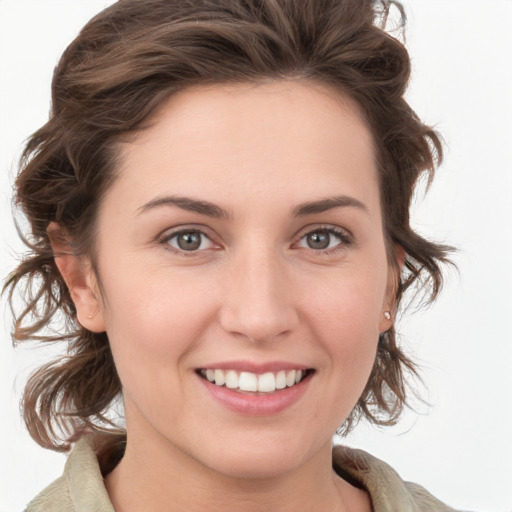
459, 447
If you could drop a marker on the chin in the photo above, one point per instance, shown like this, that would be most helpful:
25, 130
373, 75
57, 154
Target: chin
259, 457
255, 466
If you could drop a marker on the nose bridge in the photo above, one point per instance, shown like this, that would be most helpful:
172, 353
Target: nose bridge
257, 302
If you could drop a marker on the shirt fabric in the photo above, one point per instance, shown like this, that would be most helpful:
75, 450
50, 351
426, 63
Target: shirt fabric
81, 487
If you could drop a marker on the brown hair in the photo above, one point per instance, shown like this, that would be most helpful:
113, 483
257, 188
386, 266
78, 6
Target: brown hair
124, 63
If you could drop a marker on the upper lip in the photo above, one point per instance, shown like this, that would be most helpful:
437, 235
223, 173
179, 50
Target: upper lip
254, 367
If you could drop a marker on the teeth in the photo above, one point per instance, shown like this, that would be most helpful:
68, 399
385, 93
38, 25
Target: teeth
281, 380
267, 382
247, 381
231, 379
220, 377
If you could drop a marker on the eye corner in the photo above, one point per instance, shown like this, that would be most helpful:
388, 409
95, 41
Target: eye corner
196, 241
324, 239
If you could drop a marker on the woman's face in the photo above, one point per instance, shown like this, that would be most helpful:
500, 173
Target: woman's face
242, 241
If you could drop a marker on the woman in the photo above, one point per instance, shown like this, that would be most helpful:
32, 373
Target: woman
219, 209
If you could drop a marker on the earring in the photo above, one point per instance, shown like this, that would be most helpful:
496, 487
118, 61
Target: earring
387, 315
89, 317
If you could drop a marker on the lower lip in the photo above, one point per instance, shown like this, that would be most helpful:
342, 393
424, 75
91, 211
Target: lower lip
257, 405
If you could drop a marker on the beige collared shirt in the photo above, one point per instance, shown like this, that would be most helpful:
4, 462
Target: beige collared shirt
81, 487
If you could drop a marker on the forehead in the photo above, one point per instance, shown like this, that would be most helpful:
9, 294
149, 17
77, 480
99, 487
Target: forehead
306, 109
295, 135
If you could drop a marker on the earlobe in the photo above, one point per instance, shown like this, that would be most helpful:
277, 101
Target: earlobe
386, 321
389, 307
80, 280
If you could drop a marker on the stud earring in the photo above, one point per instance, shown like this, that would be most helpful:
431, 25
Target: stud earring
89, 317
387, 315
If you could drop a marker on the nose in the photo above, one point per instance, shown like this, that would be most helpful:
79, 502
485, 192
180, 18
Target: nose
258, 298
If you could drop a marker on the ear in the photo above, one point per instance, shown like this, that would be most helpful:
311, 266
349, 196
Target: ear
388, 313
79, 278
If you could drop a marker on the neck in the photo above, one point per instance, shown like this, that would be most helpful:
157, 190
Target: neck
157, 476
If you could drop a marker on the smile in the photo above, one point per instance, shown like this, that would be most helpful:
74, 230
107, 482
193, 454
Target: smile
268, 382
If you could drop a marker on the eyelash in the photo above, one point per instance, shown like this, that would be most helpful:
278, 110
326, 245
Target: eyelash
167, 237
345, 238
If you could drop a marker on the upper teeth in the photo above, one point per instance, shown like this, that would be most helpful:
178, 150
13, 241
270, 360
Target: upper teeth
247, 381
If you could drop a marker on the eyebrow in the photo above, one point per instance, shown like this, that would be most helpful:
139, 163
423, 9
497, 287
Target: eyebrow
213, 210
189, 204
326, 204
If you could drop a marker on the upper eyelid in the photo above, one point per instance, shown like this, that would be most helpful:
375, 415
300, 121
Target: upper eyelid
299, 234
170, 232
164, 240
323, 227
345, 237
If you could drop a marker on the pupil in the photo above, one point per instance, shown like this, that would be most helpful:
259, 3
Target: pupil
189, 241
318, 240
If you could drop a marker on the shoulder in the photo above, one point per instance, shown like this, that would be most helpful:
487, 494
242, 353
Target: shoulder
79, 489
389, 493
55, 498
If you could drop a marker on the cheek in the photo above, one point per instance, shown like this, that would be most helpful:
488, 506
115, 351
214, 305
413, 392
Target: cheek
348, 303
152, 323
345, 317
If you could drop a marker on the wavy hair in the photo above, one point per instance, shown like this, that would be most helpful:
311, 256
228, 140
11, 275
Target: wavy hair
124, 63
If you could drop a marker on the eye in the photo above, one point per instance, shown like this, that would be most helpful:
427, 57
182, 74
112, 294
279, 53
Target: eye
188, 240
324, 239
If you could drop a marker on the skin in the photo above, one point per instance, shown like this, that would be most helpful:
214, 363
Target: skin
255, 291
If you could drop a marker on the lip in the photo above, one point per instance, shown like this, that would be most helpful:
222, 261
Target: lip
252, 367
253, 404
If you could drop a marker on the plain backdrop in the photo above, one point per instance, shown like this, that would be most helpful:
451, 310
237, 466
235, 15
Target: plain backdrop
459, 446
